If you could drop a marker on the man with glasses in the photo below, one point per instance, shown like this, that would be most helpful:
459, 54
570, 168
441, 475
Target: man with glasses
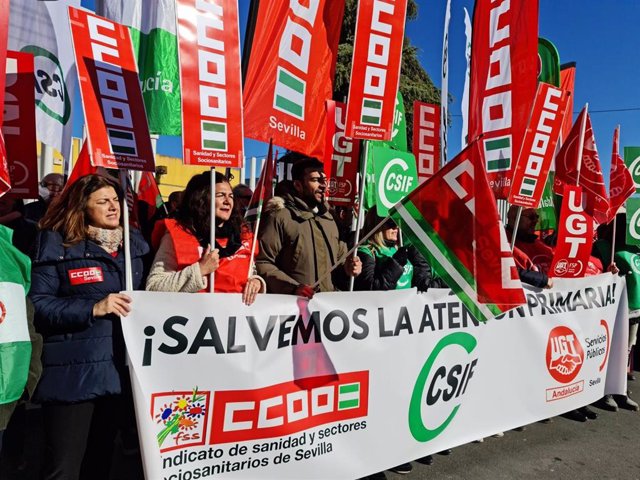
300, 243
49, 189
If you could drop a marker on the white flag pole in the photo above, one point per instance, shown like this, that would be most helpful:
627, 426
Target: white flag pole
583, 127
363, 181
212, 241
124, 184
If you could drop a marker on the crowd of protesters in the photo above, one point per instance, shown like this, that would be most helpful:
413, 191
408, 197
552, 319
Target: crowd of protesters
74, 236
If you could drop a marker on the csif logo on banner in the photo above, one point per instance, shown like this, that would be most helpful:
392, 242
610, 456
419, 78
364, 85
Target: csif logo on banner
441, 385
294, 51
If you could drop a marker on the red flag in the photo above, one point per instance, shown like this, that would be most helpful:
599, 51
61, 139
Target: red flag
264, 188
5, 182
82, 167
591, 179
567, 83
477, 266
341, 158
290, 73
575, 237
621, 185
211, 83
375, 69
504, 78
426, 138
149, 193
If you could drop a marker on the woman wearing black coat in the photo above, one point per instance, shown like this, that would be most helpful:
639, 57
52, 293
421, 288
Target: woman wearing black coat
78, 270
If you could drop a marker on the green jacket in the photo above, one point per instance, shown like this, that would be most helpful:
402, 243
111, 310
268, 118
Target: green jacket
298, 247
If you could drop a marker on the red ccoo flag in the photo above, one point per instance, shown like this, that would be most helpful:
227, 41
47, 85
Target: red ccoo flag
621, 185
589, 168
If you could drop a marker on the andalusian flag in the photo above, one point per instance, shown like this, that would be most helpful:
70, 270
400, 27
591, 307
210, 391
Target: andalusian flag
452, 219
15, 345
153, 33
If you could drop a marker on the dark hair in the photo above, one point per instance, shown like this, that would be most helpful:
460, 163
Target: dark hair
305, 165
68, 215
194, 212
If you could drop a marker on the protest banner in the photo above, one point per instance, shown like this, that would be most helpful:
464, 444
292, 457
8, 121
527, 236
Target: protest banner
504, 77
375, 69
117, 129
19, 126
395, 176
42, 29
342, 154
211, 82
538, 147
575, 237
290, 73
426, 139
278, 390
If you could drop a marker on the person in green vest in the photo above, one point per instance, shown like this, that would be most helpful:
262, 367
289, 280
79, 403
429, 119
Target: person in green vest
386, 265
626, 262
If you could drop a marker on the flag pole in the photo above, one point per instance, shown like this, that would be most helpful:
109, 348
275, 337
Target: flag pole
363, 181
615, 214
583, 127
124, 184
514, 232
212, 241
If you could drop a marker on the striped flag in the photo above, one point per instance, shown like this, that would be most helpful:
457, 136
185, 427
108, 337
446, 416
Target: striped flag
479, 268
15, 345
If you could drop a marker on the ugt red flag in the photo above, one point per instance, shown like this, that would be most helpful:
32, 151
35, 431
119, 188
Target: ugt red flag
290, 73
479, 268
575, 237
621, 185
504, 77
591, 179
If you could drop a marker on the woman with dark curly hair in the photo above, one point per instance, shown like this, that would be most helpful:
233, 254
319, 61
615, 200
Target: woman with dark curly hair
78, 270
184, 255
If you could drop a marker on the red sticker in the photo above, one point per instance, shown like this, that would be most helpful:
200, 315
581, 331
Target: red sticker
80, 276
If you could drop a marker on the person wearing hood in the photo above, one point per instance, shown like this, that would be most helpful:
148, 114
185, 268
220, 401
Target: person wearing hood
299, 242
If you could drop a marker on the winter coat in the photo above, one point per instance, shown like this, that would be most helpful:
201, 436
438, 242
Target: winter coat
381, 271
299, 246
83, 356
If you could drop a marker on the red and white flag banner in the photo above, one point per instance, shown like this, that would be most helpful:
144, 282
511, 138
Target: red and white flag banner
342, 155
426, 138
19, 125
538, 147
575, 237
375, 69
621, 184
117, 128
504, 78
211, 82
290, 73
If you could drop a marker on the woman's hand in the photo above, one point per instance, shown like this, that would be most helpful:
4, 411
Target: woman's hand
251, 289
209, 261
117, 303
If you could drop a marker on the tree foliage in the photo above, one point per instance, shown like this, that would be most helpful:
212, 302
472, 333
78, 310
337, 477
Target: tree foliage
415, 83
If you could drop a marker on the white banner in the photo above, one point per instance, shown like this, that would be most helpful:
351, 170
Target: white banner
250, 392
42, 29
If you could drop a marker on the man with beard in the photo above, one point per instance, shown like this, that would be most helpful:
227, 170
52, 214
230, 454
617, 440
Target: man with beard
299, 243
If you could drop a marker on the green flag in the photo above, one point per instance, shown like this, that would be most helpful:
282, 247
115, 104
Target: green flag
153, 34
15, 345
394, 176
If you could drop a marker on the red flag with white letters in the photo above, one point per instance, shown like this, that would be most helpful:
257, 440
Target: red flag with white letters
375, 69
504, 78
575, 237
290, 73
621, 184
426, 138
211, 82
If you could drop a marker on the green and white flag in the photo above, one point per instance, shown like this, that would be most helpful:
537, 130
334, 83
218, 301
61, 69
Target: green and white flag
153, 33
395, 176
15, 345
